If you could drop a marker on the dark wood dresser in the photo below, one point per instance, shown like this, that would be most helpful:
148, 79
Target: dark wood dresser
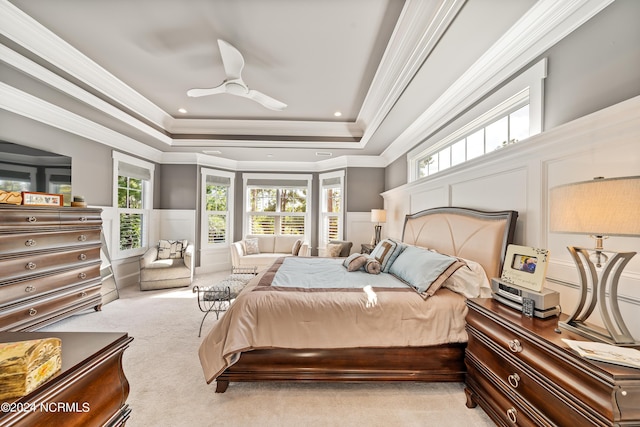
90, 389
521, 373
49, 264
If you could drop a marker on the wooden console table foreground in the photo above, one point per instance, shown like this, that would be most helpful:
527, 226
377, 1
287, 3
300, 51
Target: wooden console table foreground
89, 390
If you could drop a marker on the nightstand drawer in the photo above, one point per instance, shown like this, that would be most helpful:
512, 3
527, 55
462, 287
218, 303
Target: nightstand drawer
502, 408
549, 362
507, 374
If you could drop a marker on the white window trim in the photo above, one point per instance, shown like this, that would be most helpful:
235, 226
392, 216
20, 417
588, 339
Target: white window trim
204, 226
246, 226
148, 206
321, 214
527, 88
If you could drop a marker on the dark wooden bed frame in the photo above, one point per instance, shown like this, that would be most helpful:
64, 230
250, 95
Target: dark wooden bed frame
433, 228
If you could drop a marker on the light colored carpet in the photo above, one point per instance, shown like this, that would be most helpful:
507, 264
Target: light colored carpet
168, 387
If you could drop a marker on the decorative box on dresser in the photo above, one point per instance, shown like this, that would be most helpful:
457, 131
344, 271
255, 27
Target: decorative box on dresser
49, 264
521, 373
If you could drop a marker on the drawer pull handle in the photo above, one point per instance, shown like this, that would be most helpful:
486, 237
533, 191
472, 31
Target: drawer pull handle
514, 380
83, 219
29, 288
32, 219
82, 257
30, 266
515, 346
512, 414
82, 275
82, 238
83, 294
30, 242
33, 312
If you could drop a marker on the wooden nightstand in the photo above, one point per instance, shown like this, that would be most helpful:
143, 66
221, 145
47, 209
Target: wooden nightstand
521, 373
366, 248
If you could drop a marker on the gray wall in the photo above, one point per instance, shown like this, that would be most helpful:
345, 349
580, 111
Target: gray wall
363, 187
177, 186
594, 67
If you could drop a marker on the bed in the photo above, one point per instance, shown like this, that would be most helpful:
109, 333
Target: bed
360, 327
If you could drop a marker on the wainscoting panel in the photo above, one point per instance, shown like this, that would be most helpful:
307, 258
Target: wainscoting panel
176, 224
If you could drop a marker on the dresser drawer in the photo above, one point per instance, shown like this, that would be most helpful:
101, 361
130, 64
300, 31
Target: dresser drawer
25, 219
41, 285
506, 373
39, 263
38, 310
13, 244
80, 218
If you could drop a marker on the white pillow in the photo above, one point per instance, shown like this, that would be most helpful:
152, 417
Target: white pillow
470, 281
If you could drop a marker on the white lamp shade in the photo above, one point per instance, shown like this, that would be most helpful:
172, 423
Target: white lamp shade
378, 215
601, 207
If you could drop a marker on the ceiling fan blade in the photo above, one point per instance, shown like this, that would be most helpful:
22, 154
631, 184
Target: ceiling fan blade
231, 59
265, 100
204, 92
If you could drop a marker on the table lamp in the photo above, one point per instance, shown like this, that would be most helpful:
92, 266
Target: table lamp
600, 208
378, 216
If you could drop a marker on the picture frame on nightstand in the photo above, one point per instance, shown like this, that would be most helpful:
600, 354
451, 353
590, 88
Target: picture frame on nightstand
525, 267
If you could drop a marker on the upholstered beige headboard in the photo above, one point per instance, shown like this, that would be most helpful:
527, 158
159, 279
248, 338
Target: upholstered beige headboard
466, 233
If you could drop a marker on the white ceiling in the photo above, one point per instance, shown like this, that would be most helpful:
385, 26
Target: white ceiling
383, 63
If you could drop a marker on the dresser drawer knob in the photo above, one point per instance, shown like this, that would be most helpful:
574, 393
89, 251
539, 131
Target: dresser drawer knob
83, 219
512, 414
514, 380
82, 257
33, 312
32, 219
515, 346
82, 275
82, 238
30, 266
30, 242
29, 288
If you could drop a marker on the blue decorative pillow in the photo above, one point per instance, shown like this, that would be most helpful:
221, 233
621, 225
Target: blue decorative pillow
386, 252
424, 270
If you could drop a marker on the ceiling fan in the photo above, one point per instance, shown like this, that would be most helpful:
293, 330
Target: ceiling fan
233, 64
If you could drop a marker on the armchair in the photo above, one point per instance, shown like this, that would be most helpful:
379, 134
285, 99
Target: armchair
168, 265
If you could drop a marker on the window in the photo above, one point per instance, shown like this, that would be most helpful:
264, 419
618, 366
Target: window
133, 201
331, 207
217, 204
277, 204
509, 115
509, 129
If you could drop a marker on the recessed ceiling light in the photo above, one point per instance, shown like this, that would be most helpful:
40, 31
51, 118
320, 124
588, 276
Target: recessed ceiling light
323, 154
337, 114
269, 155
182, 110
213, 152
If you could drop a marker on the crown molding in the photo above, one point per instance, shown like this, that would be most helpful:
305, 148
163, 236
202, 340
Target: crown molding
419, 28
30, 34
24, 104
38, 72
545, 24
